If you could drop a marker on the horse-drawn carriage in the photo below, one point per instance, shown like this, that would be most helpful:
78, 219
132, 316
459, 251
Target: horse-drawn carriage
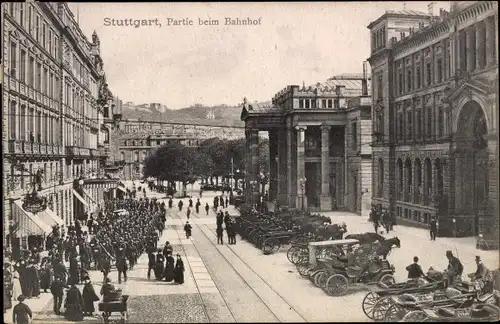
114, 305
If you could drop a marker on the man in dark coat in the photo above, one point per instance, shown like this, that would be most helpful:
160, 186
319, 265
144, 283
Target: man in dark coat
227, 219
454, 270
170, 203
187, 229
180, 204
220, 235
433, 228
227, 202
160, 265
221, 201
122, 267
190, 202
21, 314
90, 224
89, 297
207, 208
198, 204
179, 271
415, 270
151, 263
188, 212
57, 290
73, 271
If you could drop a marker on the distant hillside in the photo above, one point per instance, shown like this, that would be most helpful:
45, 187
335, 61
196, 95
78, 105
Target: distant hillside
224, 115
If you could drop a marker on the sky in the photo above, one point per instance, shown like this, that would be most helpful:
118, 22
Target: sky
180, 65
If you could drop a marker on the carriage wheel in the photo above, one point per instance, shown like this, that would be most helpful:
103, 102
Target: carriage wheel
303, 269
267, 247
290, 252
317, 277
416, 316
387, 280
276, 246
368, 303
381, 307
395, 313
336, 285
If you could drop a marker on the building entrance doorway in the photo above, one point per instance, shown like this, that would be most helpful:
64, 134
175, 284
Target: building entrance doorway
471, 174
313, 184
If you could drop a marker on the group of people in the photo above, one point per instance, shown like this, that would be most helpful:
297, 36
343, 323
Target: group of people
164, 266
224, 218
453, 273
382, 218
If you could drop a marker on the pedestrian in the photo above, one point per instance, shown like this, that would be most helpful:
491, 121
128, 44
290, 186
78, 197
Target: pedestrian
198, 204
90, 224
21, 314
8, 286
190, 202
180, 204
122, 267
221, 201
220, 233
207, 208
187, 229
46, 275
188, 212
229, 234
454, 270
227, 202
160, 265
89, 297
16, 284
169, 268
151, 263
179, 271
433, 228
201, 193
74, 305
415, 270
57, 290
170, 203
73, 271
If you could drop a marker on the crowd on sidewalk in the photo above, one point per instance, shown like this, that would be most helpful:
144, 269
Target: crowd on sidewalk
119, 237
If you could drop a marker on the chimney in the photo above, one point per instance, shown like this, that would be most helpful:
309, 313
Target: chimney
364, 82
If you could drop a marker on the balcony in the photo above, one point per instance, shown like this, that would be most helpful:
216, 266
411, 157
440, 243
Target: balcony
43, 148
16, 147
93, 152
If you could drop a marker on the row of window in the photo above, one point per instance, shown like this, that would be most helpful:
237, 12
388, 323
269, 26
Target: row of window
413, 215
378, 39
417, 125
160, 142
35, 126
322, 103
27, 16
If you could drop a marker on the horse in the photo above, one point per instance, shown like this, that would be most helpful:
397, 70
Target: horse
335, 231
366, 238
386, 246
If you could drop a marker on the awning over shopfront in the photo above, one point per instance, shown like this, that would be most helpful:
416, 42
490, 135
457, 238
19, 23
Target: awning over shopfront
50, 217
122, 189
29, 223
79, 197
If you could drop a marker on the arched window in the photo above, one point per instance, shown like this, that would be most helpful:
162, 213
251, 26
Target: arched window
409, 179
400, 179
380, 178
428, 181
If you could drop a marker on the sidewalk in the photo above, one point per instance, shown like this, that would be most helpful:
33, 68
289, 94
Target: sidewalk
37, 305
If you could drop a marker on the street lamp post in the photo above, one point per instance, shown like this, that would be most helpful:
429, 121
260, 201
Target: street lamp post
302, 182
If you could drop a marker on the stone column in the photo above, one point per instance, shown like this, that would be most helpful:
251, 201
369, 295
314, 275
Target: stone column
273, 164
301, 200
254, 168
326, 199
490, 41
282, 173
471, 49
248, 166
290, 191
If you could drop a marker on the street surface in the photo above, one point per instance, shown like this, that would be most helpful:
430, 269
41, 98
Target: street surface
237, 283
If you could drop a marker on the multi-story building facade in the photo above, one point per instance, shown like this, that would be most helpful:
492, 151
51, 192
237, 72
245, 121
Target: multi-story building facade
319, 136
435, 117
52, 113
133, 140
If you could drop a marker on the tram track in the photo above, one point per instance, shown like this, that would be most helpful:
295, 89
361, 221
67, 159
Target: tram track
205, 308
253, 271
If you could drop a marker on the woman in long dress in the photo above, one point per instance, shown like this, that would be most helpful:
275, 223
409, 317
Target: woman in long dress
170, 268
46, 276
16, 288
179, 271
160, 266
74, 305
89, 297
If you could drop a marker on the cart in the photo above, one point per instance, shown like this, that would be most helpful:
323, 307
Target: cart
108, 308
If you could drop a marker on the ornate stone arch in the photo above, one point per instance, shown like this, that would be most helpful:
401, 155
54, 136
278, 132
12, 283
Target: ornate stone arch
464, 98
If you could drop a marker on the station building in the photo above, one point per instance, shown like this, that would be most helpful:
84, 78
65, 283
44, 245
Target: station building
435, 118
319, 138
